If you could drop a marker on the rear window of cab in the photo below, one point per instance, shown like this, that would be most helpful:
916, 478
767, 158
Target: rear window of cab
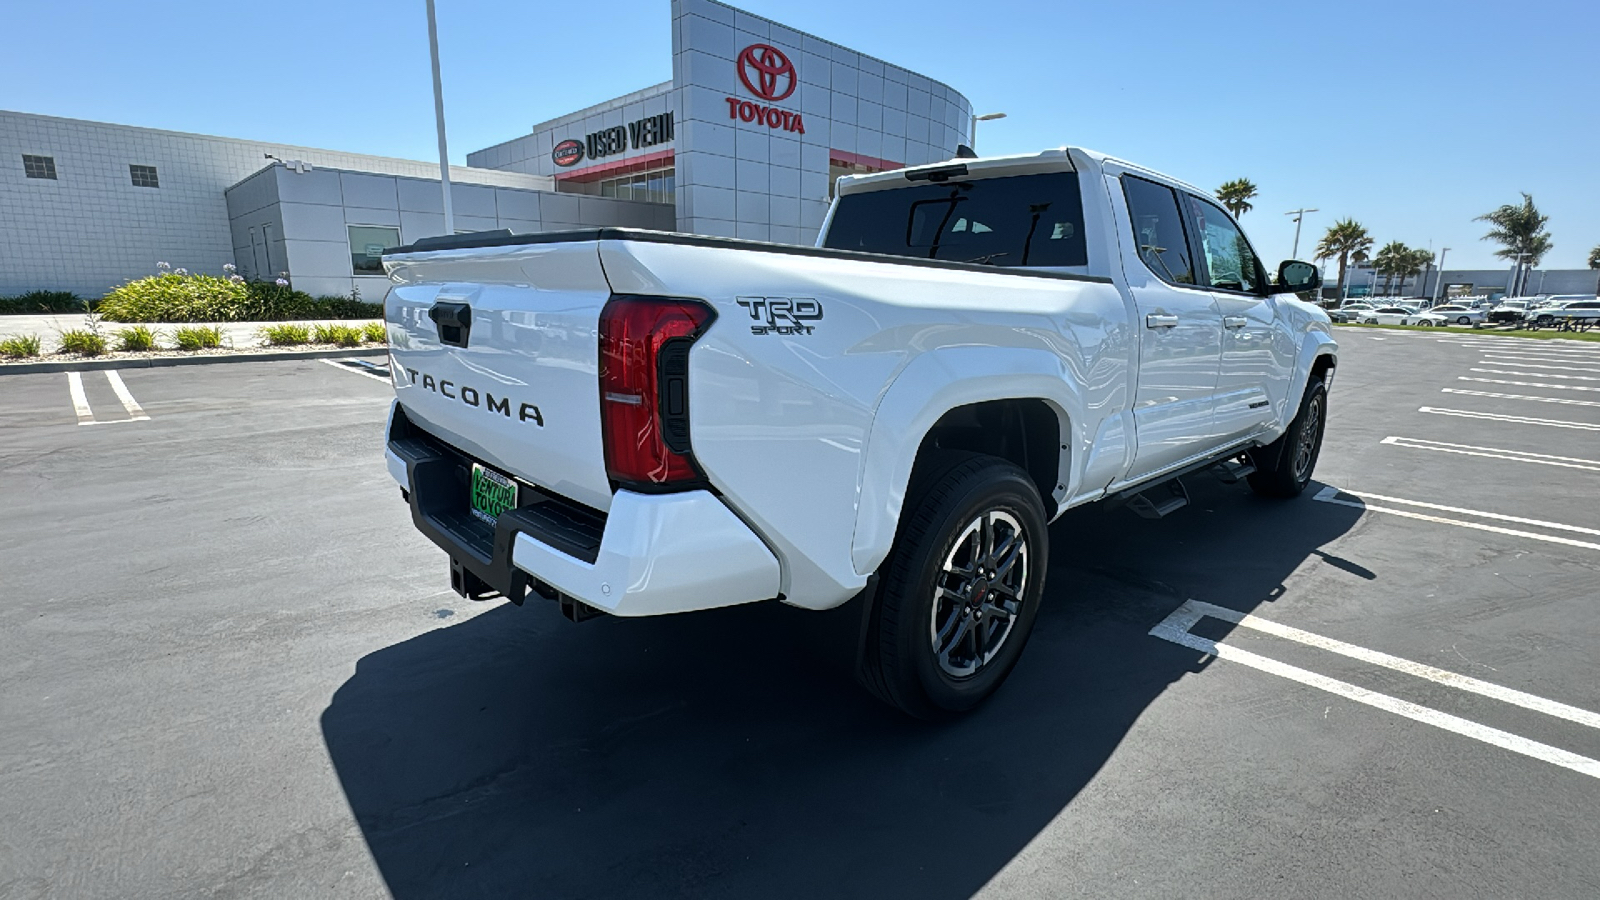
1020, 220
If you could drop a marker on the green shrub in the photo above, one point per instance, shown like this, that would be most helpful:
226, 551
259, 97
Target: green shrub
342, 335
137, 339
171, 297
272, 302
198, 337
286, 335
20, 347
375, 332
87, 343
330, 306
34, 302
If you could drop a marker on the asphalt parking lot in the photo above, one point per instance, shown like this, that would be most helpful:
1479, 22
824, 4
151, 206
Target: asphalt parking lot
230, 667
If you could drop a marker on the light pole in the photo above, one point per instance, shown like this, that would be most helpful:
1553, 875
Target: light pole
1440, 279
438, 116
972, 132
1298, 215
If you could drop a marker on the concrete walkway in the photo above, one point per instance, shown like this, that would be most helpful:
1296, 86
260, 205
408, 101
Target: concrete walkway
49, 328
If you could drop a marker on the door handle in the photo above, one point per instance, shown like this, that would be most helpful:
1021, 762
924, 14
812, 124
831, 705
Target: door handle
1159, 320
1234, 321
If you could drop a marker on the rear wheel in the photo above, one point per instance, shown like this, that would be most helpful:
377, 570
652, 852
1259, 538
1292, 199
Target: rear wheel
961, 587
1464, 320
1284, 467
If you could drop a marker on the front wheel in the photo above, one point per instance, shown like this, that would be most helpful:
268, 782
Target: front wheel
1464, 320
1284, 467
961, 587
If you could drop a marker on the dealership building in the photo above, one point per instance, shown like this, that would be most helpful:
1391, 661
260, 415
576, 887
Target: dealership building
745, 141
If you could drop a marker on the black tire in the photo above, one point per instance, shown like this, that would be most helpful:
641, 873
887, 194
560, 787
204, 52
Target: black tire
1464, 320
1284, 467
902, 663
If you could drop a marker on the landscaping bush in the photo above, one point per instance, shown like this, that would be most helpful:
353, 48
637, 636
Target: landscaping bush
331, 306
177, 297
376, 332
286, 335
88, 343
136, 339
342, 335
35, 302
20, 347
198, 337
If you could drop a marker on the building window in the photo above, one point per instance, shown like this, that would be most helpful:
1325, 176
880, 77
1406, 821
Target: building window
39, 166
144, 176
367, 243
653, 186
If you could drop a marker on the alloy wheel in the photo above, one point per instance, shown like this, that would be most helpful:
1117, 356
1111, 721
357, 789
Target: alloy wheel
978, 592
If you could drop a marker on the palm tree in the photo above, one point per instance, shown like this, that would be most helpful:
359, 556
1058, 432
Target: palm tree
1594, 258
1236, 194
1394, 259
1419, 260
1347, 239
1520, 231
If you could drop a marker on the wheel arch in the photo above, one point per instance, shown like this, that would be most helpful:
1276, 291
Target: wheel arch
1016, 404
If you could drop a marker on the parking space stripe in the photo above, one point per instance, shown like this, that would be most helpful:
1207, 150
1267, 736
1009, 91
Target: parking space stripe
135, 411
1525, 397
1537, 384
351, 366
1535, 374
1500, 417
1543, 459
1490, 356
1175, 628
1331, 494
1529, 363
80, 400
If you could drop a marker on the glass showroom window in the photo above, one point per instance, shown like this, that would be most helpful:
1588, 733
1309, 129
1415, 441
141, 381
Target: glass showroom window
144, 176
655, 186
367, 243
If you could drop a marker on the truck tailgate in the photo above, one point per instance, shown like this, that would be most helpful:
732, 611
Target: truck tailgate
518, 385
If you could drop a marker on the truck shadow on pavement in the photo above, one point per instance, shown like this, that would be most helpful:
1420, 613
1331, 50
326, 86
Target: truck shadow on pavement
730, 753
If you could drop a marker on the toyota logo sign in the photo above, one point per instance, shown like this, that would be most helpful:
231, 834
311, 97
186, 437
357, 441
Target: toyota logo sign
769, 68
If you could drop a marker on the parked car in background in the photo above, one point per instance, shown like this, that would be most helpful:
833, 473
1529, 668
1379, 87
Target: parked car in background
1510, 311
1392, 315
1351, 311
1543, 315
1584, 314
1452, 314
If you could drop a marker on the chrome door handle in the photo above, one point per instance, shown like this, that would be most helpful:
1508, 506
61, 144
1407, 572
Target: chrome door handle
1158, 320
1234, 321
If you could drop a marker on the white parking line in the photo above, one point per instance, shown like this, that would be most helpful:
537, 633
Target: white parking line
1537, 384
80, 400
1535, 374
1526, 397
1331, 494
349, 365
1490, 356
1175, 628
1543, 459
1512, 420
136, 412
1531, 365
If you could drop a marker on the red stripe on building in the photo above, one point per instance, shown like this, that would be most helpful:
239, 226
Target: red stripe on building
842, 158
620, 167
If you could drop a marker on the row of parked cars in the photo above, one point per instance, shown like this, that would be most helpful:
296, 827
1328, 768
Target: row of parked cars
1571, 310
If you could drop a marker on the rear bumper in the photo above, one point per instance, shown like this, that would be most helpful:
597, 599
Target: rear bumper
651, 554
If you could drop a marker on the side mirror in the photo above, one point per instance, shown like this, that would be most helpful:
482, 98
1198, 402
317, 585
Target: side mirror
1296, 277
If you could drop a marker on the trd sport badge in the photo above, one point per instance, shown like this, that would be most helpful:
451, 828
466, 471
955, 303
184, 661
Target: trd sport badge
782, 315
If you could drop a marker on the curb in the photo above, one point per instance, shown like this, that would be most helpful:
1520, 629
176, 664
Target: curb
161, 362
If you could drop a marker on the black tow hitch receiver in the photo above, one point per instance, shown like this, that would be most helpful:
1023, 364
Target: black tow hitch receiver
466, 583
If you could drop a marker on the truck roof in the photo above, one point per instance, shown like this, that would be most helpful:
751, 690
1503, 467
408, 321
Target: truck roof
1053, 160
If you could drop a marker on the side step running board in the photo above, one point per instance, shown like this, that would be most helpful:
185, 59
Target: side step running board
1161, 500
1233, 471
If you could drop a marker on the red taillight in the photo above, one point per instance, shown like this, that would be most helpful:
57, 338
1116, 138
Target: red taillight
644, 388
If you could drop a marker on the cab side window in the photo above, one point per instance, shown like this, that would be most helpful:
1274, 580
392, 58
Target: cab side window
1158, 230
1230, 263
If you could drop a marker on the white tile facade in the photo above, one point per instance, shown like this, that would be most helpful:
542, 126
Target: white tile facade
287, 221
91, 229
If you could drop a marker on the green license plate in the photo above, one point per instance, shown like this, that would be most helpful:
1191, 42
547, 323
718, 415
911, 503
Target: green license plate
492, 493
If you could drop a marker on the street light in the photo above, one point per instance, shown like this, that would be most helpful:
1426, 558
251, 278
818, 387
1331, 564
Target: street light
438, 116
972, 132
1437, 281
1298, 215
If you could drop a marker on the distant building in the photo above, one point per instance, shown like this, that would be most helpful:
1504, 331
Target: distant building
744, 141
1364, 281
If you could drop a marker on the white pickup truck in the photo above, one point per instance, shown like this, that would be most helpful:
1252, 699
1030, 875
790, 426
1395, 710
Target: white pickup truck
641, 423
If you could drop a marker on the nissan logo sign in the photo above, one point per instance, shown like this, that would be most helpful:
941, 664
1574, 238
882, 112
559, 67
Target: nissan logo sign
568, 153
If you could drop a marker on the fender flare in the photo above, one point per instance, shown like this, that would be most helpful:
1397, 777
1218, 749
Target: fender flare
1314, 346
934, 383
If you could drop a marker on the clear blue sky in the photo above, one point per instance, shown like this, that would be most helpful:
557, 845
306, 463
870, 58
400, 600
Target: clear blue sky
1412, 117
